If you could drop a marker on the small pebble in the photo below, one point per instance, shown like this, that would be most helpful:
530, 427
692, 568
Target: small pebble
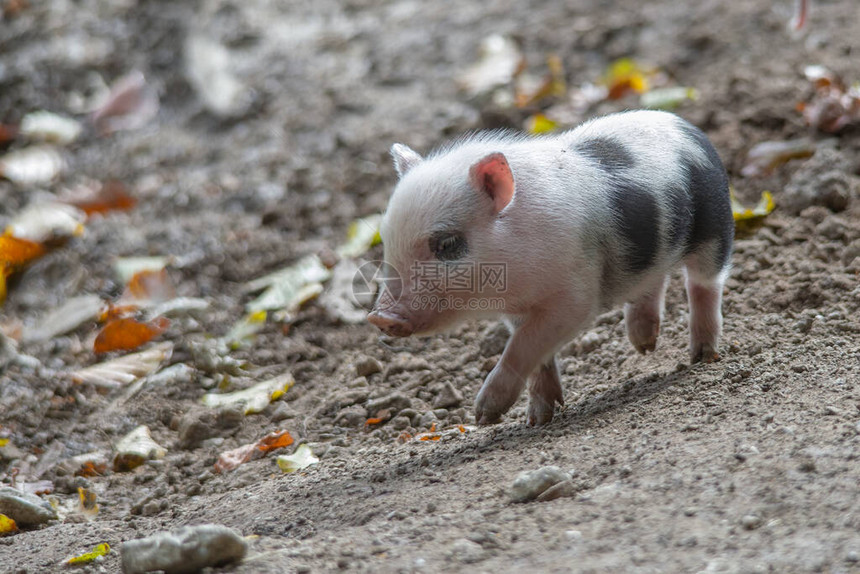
366, 366
530, 484
466, 551
750, 521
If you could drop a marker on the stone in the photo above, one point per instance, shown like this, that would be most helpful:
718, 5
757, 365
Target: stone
24, 508
532, 483
466, 551
448, 397
366, 366
187, 550
395, 402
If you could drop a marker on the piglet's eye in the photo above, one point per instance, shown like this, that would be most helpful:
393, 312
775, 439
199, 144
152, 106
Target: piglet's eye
448, 247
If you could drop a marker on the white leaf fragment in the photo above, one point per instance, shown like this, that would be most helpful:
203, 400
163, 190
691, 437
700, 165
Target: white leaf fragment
254, 398
50, 127
302, 458
123, 370
31, 166
290, 287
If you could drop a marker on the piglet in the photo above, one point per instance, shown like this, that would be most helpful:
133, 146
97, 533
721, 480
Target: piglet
549, 232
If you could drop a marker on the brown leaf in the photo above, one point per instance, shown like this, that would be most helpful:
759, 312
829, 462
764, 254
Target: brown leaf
100, 197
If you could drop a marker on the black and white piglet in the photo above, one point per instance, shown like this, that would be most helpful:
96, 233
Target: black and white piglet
548, 232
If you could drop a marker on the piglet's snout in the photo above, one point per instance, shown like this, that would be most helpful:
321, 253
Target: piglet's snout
390, 323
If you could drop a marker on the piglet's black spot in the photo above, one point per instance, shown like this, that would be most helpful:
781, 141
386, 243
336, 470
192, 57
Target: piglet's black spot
638, 222
709, 193
608, 153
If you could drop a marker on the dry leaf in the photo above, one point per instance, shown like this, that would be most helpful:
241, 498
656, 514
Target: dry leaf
272, 441
147, 287
128, 267
127, 334
65, 318
254, 398
48, 222
553, 85
667, 98
499, 60
208, 67
16, 252
31, 166
380, 417
101, 550
7, 525
87, 502
135, 448
98, 197
131, 104
123, 370
50, 127
37, 487
540, 124
748, 220
92, 468
302, 458
834, 105
764, 157
625, 75
361, 235
7, 133
245, 329
288, 289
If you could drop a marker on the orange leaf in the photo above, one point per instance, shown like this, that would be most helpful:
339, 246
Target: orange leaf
117, 312
127, 334
92, 468
108, 196
273, 440
432, 428
15, 253
148, 286
429, 436
380, 417
233, 458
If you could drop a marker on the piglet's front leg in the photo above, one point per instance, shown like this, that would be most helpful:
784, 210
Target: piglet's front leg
532, 344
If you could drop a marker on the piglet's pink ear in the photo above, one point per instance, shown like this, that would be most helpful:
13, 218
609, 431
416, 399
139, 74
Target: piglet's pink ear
492, 175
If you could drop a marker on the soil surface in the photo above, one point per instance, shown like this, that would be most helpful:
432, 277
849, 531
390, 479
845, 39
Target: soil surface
749, 464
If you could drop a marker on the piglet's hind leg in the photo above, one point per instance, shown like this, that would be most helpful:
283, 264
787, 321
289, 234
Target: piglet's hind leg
706, 318
544, 392
642, 317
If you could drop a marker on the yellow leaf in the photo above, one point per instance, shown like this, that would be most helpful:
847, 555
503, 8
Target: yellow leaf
748, 220
361, 235
540, 124
100, 550
4, 441
302, 458
7, 525
625, 75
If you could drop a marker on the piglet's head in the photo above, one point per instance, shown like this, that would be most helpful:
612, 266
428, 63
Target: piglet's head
437, 231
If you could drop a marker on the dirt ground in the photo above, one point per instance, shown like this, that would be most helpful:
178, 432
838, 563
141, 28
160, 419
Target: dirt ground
749, 464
